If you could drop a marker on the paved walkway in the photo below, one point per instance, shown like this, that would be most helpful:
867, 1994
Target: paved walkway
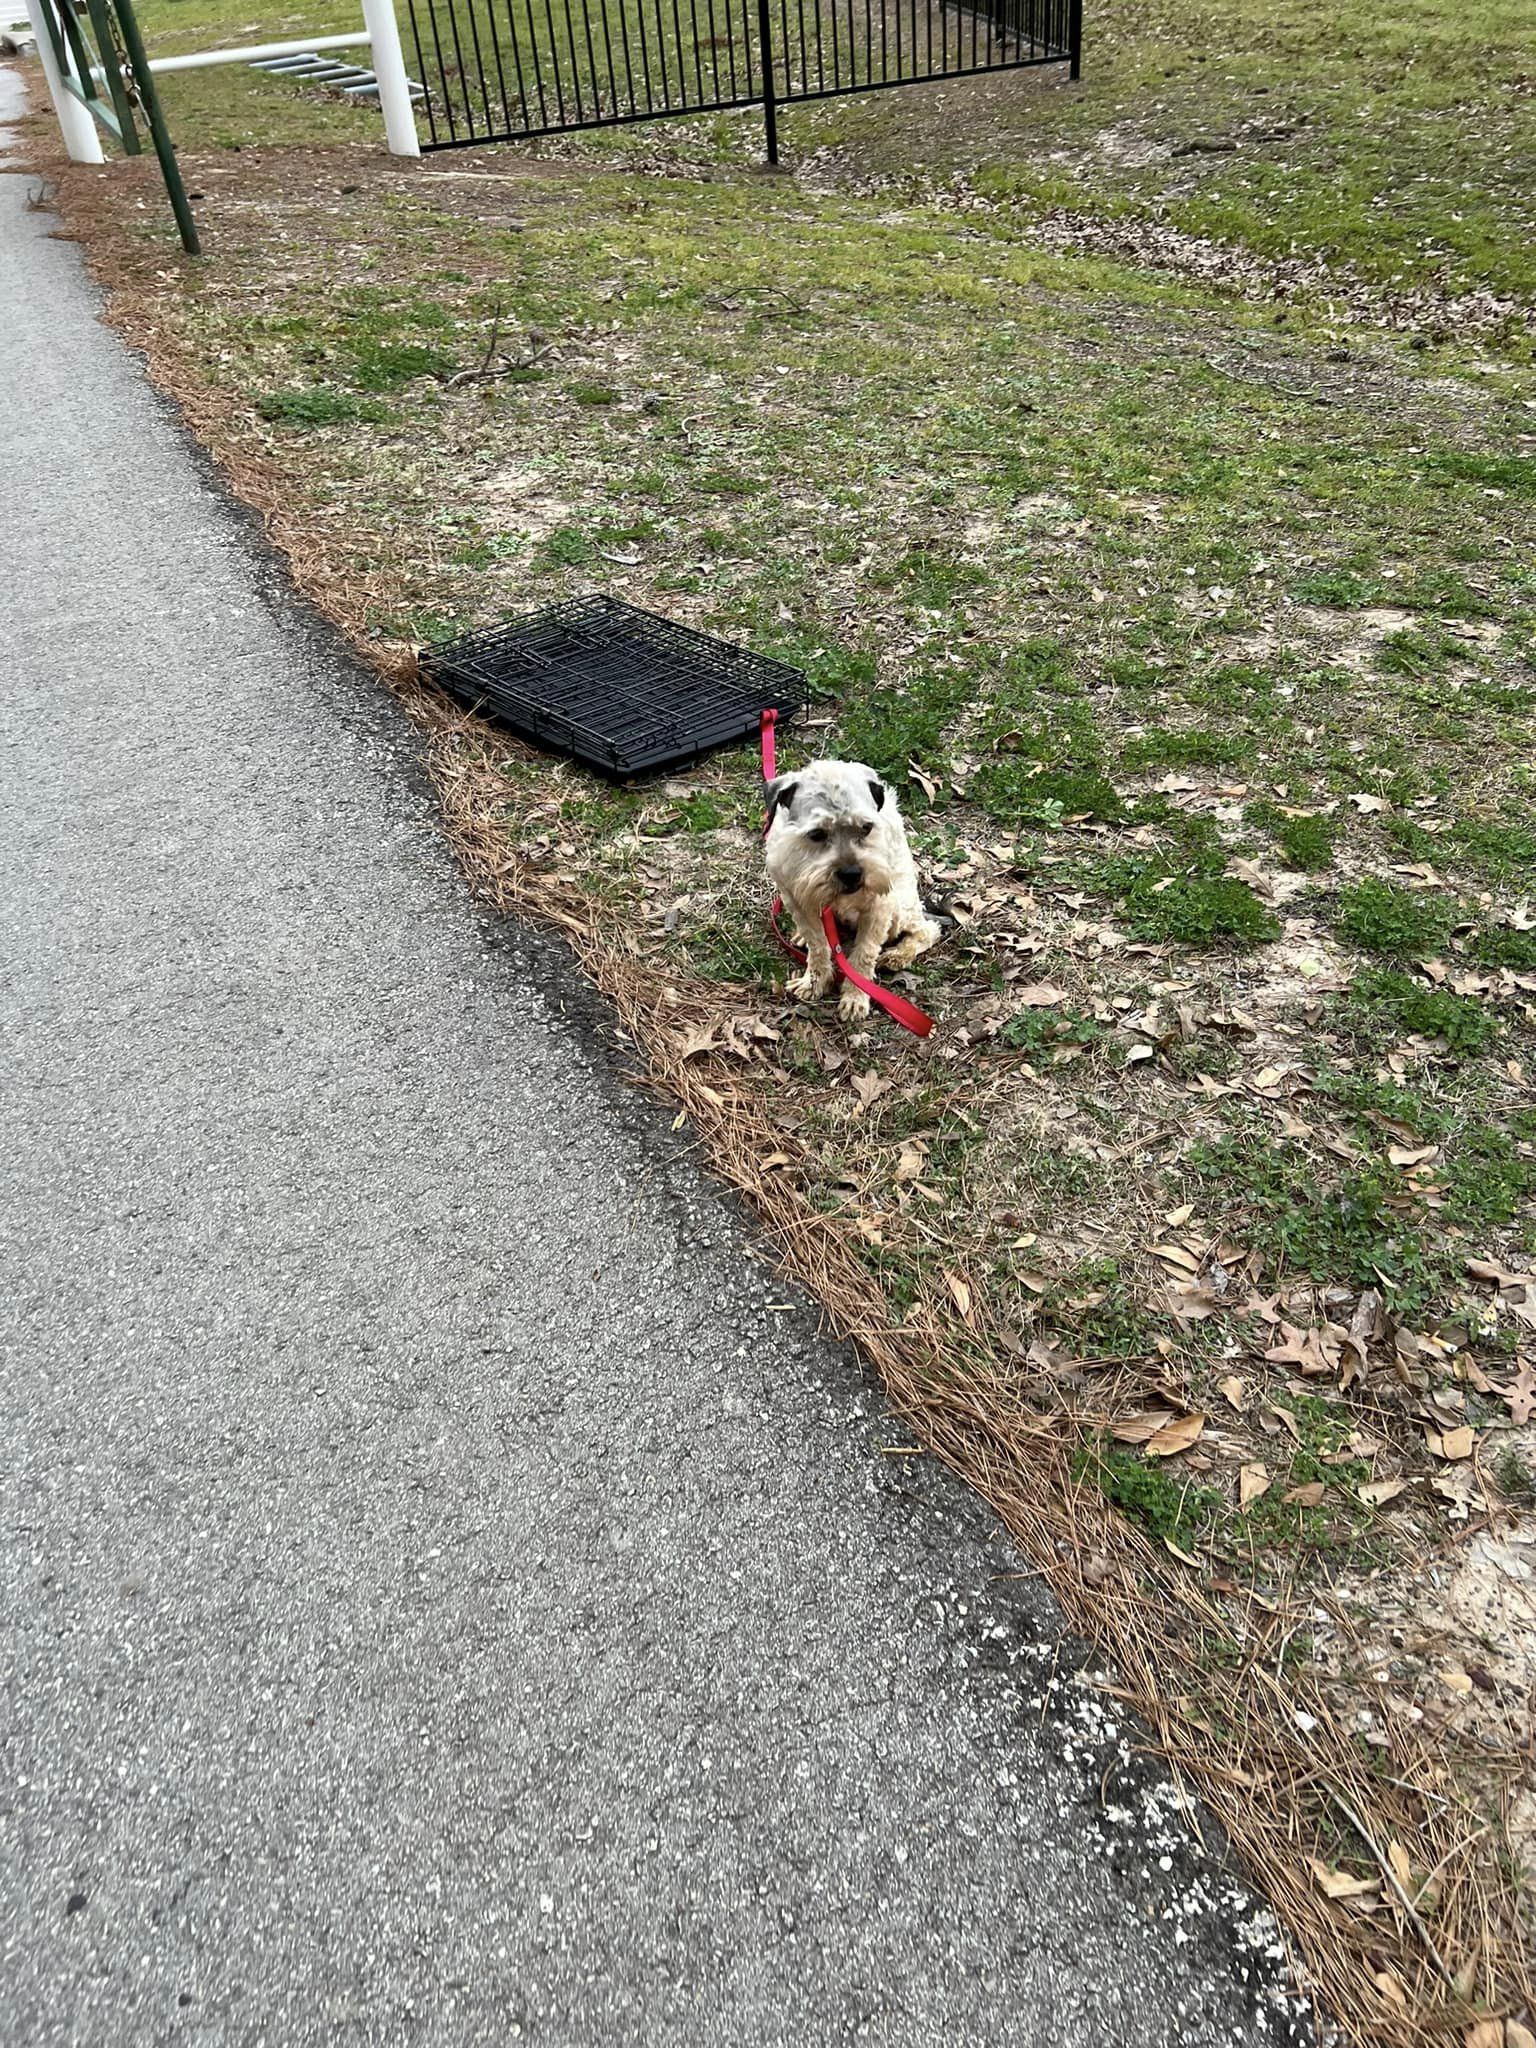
444, 1602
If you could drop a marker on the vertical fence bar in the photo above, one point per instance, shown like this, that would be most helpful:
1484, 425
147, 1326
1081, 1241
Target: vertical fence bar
770, 110
1075, 37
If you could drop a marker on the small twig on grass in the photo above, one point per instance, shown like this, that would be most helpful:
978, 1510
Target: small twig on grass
1391, 1876
508, 368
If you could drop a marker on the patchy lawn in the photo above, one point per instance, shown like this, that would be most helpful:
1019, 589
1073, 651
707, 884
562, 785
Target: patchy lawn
1199, 637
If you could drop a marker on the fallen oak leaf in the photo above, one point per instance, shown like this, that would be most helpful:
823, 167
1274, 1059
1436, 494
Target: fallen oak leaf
909, 1166
1377, 1492
1520, 1395
1412, 1155
698, 1040
1176, 1255
1235, 1393
961, 1292
1140, 1429
1309, 1496
1454, 1445
1189, 1302
1338, 1884
1285, 1419
1253, 1482
1040, 995
1175, 1436
870, 1087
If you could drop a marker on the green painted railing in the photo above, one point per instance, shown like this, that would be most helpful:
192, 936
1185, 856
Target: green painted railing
104, 48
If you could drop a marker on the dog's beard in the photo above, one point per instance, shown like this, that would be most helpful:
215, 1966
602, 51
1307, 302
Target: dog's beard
814, 883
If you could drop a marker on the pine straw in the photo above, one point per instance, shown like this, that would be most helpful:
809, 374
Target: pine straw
1206, 1675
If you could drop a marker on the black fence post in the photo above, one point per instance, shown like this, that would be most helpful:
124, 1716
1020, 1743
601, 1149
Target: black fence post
770, 110
1075, 36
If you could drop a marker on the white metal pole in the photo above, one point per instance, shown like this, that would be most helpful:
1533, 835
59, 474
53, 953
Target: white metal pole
389, 69
253, 52
75, 124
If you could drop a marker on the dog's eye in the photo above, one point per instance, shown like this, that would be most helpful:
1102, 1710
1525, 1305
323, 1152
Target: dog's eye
818, 837
865, 830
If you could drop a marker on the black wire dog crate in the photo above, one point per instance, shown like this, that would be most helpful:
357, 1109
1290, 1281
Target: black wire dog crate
619, 689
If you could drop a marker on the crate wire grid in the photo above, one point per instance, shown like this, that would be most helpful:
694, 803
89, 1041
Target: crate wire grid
618, 688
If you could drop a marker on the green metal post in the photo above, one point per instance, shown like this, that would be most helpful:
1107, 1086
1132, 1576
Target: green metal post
149, 100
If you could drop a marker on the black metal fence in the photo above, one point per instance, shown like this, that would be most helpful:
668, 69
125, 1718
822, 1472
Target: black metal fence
499, 70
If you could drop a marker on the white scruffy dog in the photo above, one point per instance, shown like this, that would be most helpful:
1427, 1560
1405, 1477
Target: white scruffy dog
836, 837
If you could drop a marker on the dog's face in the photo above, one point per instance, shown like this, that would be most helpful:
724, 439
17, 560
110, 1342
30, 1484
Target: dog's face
829, 832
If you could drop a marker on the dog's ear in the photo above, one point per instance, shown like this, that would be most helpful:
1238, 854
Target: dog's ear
781, 795
877, 791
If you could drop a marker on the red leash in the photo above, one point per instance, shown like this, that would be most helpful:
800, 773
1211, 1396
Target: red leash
906, 1014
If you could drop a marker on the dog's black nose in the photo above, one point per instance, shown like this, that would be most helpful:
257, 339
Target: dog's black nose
851, 878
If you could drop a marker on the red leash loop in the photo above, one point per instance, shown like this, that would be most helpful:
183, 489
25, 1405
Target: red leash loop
906, 1014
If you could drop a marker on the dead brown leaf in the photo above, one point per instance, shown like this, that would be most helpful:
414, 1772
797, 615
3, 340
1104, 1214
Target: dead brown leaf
1253, 1482
1453, 1445
1175, 1436
1140, 1429
1391, 1989
1377, 1492
1189, 1302
1176, 1255
870, 1087
961, 1291
1412, 1155
1339, 1884
1520, 1395
909, 1166
1235, 1393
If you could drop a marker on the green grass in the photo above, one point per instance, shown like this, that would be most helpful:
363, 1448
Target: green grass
1403, 924
1198, 910
1306, 841
1383, 996
319, 406
1166, 1503
1307, 1218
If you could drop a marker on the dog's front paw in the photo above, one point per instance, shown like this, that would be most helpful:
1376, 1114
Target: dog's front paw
807, 985
852, 1005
